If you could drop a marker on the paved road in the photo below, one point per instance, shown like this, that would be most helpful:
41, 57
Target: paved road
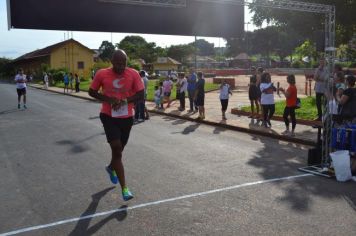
52, 168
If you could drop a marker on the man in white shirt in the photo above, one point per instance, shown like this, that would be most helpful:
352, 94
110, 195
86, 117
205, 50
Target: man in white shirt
183, 86
45, 80
20, 80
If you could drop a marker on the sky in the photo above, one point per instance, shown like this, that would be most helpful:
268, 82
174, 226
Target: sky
16, 42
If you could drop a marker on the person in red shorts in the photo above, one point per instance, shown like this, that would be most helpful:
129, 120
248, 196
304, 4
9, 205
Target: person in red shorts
121, 88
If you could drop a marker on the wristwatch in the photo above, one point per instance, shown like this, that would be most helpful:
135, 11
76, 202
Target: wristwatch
124, 101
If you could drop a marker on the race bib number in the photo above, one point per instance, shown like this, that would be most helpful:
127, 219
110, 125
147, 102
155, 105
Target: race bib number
122, 111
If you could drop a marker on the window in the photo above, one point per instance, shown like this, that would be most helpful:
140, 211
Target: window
80, 64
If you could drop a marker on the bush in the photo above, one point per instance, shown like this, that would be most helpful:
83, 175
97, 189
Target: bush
297, 64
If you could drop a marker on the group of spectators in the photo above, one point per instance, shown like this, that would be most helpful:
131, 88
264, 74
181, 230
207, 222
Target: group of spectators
68, 80
193, 84
261, 96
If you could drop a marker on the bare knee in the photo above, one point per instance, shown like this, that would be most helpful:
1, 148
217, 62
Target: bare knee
116, 148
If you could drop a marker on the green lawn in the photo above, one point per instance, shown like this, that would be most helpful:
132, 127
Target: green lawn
84, 86
307, 111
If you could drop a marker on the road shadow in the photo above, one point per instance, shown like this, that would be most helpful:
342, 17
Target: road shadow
82, 226
218, 130
279, 159
9, 111
78, 146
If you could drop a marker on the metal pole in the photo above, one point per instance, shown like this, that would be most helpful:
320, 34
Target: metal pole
195, 52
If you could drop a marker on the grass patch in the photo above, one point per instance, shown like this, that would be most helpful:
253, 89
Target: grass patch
85, 84
308, 110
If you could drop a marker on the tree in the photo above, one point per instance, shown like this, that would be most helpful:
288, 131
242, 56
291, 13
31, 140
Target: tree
6, 68
204, 48
106, 50
180, 52
307, 49
136, 47
345, 19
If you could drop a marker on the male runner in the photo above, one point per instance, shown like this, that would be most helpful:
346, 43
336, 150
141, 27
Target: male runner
122, 87
21, 80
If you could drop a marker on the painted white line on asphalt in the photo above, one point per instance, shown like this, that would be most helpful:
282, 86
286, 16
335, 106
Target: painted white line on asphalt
61, 222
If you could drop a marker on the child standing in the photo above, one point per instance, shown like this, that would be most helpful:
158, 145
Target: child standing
157, 97
225, 91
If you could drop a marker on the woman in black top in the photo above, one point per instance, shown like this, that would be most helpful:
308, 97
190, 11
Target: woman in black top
254, 94
347, 101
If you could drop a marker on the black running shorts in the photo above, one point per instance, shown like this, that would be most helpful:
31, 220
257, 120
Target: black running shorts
21, 91
116, 128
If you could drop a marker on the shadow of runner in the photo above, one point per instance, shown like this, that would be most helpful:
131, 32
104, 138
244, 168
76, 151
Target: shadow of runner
82, 227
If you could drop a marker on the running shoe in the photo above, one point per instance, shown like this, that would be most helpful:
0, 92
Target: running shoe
112, 175
286, 132
24, 106
126, 194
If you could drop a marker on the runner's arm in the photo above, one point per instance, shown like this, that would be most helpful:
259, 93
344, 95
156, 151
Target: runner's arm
103, 98
139, 96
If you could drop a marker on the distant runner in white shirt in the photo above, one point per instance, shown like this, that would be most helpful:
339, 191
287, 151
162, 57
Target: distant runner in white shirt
21, 80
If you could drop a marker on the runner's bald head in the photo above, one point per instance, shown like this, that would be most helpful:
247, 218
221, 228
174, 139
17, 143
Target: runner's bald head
119, 61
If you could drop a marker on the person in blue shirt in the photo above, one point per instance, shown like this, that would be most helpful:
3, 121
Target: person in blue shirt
192, 80
66, 82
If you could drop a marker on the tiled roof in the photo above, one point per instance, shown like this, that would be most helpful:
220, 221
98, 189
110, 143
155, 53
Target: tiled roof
46, 51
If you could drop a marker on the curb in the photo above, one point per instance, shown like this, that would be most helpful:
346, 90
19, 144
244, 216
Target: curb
236, 111
211, 123
67, 94
240, 129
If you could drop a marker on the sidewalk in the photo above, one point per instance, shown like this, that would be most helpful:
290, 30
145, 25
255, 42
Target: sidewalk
304, 134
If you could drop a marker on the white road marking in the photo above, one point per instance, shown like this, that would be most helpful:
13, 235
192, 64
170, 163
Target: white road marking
61, 222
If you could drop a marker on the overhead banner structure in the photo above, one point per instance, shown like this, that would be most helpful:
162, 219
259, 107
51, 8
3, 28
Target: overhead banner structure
169, 17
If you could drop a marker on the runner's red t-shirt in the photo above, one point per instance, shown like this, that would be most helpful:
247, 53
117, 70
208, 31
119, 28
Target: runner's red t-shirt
117, 86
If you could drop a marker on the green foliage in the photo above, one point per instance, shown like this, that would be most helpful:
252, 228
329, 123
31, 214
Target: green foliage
204, 48
136, 47
307, 49
308, 110
6, 68
101, 65
106, 50
297, 64
134, 64
57, 74
310, 24
180, 52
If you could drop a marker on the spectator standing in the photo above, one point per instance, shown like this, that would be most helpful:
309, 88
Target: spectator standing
200, 95
347, 101
71, 79
158, 92
20, 80
66, 82
192, 80
267, 99
167, 90
140, 105
320, 76
77, 83
254, 94
291, 102
183, 86
225, 91
45, 80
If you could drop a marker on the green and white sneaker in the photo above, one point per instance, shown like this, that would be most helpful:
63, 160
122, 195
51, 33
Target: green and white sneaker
126, 194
